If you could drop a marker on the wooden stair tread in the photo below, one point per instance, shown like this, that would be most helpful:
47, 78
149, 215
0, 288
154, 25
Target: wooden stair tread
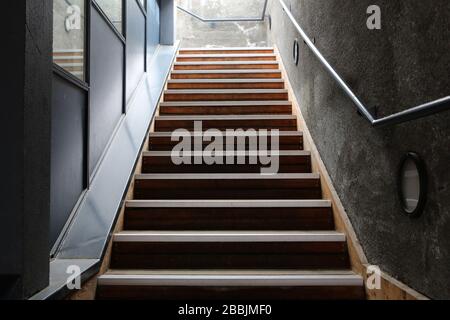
281, 153
194, 81
273, 215
227, 57
226, 134
208, 63
224, 55
220, 176
220, 91
232, 71
225, 103
237, 50
228, 117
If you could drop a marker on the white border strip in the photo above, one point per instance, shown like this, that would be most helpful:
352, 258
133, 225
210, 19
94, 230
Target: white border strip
232, 176
232, 280
229, 236
228, 204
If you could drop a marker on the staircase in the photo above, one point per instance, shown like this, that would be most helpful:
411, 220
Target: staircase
227, 231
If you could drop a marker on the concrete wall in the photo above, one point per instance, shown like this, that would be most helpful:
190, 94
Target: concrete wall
195, 33
25, 161
404, 64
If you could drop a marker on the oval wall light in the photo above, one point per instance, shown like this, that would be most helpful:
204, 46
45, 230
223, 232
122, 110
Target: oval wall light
412, 184
296, 52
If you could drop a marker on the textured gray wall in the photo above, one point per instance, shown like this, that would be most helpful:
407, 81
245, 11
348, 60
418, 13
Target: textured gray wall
404, 64
25, 161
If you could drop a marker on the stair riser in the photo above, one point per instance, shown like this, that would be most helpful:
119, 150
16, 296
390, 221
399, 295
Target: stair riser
287, 164
224, 96
224, 58
237, 85
266, 75
285, 143
281, 125
228, 189
226, 66
230, 293
249, 110
225, 51
225, 255
228, 219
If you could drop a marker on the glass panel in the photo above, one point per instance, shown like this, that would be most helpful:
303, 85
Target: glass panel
220, 9
113, 10
69, 35
193, 32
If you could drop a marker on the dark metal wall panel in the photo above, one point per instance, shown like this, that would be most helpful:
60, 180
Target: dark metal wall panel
106, 75
25, 140
68, 151
152, 28
135, 46
88, 235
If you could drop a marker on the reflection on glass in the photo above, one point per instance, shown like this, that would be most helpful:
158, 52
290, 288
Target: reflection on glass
68, 35
143, 2
113, 10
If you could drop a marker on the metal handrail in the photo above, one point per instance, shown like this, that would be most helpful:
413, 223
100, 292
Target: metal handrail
420, 111
196, 16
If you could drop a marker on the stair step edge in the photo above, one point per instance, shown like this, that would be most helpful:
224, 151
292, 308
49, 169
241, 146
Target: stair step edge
227, 71
224, 176
207, 63
281, 153
229, 117
228, 204
226, 81
247, 280
224, 55
226, 103
229, 236
226, 134
224, 91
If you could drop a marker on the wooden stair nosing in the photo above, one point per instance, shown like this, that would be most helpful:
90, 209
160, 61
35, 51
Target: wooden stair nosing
227, 134
226, 117
228, 71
